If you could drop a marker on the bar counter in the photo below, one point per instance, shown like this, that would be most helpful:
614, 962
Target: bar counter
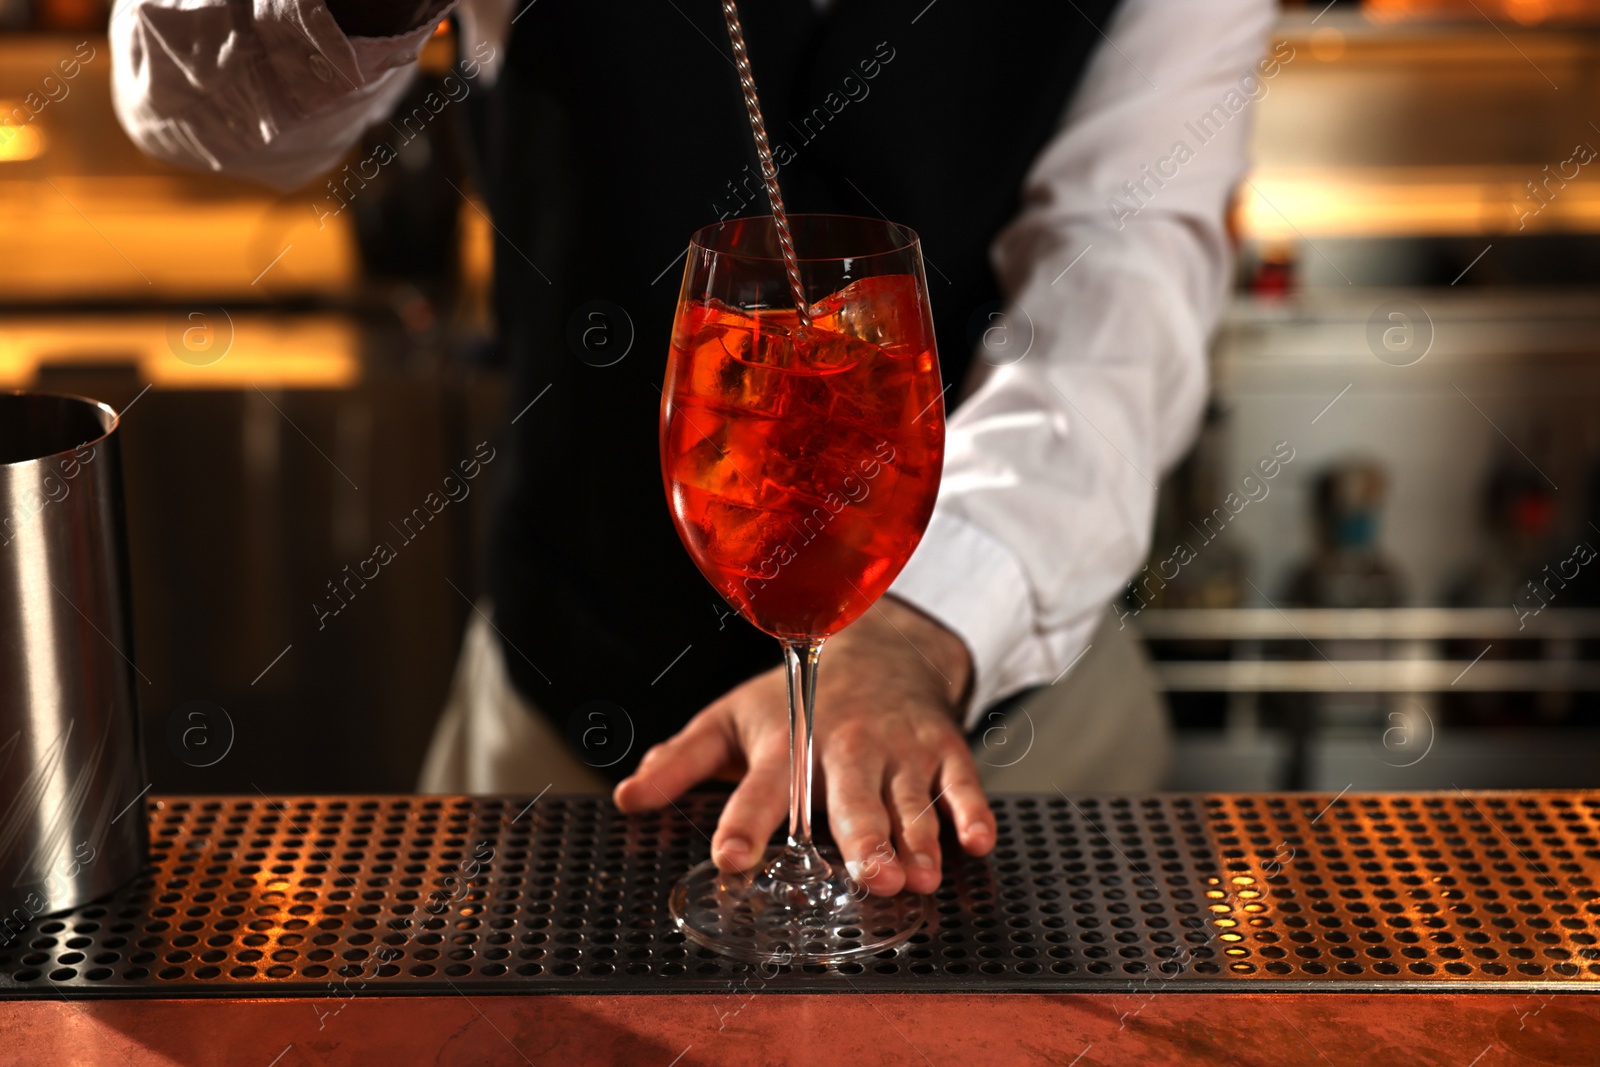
976, 1030
1452, 928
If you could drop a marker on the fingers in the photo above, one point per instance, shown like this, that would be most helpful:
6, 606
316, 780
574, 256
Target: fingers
754, 809
965, 804
694, 754
857, 815
916, 825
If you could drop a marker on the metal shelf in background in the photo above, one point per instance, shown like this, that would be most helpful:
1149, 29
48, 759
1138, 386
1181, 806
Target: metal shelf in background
1387, 624
1377, 676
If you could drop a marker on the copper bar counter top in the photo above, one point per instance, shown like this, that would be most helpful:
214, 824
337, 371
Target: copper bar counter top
1081, 1030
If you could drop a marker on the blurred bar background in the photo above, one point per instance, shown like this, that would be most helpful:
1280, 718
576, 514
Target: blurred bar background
1407, 600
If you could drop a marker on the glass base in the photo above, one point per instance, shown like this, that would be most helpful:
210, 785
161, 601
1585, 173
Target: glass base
796, 908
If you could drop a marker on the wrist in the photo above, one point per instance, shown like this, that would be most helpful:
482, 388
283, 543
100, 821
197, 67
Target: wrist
942, 647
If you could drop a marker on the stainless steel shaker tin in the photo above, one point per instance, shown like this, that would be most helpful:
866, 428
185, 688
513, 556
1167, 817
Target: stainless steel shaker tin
72, 779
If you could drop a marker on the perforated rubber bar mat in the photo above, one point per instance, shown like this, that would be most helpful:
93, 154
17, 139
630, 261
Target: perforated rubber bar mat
339, 896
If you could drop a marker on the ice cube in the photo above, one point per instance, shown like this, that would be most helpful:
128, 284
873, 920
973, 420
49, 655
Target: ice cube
780, 342
772, 343
717, 453
826, 352
704, 466
722, 371
743, 538
886, 310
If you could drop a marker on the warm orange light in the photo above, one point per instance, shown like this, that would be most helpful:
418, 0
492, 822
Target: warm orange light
300, 352
135, 237
18, 143
1283, 204
1525, 12
1327, 44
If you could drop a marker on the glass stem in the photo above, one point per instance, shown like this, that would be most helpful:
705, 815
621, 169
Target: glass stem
801, 659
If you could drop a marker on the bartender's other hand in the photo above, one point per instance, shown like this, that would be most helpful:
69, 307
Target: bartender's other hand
889, 751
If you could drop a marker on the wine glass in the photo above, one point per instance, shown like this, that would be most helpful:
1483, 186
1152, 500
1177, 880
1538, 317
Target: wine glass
801, 465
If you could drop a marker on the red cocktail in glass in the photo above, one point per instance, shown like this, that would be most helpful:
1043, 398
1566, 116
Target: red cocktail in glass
801, 465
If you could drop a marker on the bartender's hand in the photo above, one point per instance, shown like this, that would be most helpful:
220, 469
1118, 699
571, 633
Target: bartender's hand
889, 749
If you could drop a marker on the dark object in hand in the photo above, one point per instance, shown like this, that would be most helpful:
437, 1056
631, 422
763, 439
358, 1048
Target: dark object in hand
378, 18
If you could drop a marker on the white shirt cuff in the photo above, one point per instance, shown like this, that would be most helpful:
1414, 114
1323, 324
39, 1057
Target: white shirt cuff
300, 38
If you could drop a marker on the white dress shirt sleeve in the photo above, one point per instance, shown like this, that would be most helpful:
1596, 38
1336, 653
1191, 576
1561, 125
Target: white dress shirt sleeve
270, 90
1112, 290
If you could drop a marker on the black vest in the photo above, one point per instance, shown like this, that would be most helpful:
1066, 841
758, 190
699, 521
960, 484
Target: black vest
615, 131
